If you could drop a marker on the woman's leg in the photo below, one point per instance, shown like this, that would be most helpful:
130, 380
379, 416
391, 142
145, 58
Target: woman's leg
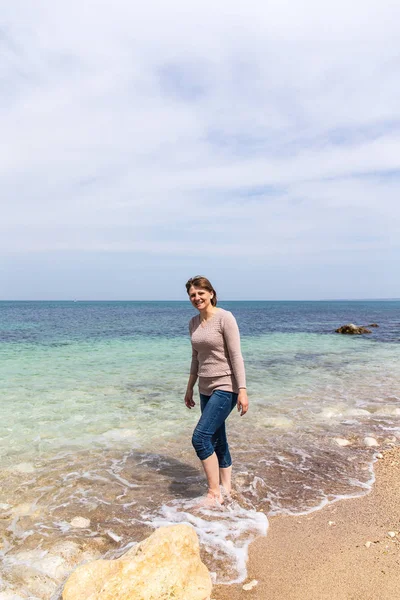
221, 448
209, 439
211, 470
225, 475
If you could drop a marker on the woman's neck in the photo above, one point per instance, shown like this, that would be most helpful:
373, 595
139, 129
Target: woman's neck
207, 313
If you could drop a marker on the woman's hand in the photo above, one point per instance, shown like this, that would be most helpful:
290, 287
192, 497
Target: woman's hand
242, 402
189, 399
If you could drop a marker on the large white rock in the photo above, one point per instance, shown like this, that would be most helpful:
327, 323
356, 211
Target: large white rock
165, 565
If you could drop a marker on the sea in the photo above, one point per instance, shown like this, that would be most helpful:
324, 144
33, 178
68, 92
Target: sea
95, 439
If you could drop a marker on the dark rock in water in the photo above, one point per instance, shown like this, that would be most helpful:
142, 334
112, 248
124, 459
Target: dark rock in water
352, 329
373, 325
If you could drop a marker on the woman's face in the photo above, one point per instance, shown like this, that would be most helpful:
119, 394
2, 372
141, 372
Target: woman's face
200, 298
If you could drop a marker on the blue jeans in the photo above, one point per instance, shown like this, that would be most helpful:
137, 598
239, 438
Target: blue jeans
209, 435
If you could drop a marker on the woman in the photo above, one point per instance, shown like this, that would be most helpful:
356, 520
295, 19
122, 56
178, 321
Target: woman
217, 361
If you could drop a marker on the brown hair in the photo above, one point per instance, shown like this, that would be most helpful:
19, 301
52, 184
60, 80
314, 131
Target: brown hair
203, 283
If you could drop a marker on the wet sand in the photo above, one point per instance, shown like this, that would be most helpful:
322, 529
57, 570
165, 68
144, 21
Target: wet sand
323, 555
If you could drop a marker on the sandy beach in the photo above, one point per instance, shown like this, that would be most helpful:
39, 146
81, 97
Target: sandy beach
326, 554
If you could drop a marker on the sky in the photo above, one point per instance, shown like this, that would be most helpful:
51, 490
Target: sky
256, 143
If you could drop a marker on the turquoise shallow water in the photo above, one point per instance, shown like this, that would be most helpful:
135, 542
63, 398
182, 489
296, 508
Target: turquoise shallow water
81, 394
93, 421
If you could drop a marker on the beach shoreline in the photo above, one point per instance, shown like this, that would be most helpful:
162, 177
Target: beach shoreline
341, 551
94, 426
326, 554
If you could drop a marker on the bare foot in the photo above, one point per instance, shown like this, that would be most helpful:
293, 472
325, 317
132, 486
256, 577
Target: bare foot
211, 500
216, 498
226, 493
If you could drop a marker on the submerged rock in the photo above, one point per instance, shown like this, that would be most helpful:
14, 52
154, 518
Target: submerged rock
113, 536
373, 325
165, 565
23, 468
80, 523
352, 329
41, 571
370, 441
342, 442
23, 510
27, 576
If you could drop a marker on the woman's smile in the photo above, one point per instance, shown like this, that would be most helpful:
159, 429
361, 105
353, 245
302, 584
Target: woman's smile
200, 298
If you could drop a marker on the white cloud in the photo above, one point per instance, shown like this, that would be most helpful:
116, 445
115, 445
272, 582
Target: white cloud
139, 129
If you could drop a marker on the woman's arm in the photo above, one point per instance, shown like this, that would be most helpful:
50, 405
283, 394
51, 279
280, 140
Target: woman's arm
194, 365
242, 402
232, 340
189, 391
194, 369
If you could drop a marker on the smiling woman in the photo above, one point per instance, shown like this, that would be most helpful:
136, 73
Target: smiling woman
218, 363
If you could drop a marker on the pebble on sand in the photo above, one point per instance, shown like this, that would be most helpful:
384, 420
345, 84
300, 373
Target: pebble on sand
368, 544
250, 585
114, 536
342, 442
392, 534
370, 441
80, 523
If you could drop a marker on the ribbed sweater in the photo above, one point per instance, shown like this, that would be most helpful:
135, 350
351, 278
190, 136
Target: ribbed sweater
216, 354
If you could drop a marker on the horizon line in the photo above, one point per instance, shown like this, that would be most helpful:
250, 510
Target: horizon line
77, 300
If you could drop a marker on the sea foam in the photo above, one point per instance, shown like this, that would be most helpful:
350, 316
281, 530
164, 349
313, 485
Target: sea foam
225, 533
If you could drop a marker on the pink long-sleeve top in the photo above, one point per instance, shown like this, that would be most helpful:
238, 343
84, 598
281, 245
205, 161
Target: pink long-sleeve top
216, 354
